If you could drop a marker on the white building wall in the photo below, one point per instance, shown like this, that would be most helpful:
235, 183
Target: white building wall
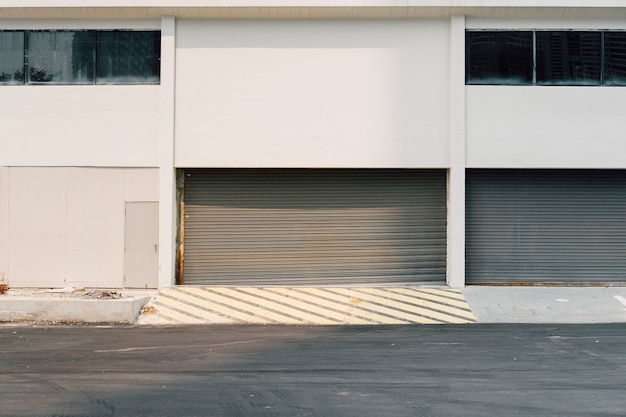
333, 93
546, 127
74, 125
4, 223
62, 224
275, 93
66, 225
79, 125
37, 227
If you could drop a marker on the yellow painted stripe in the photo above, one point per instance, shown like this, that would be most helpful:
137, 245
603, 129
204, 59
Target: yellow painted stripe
430, 295
286, 306
236, 307
155, 318
364, 310
353, 309
309, 305
169, 308
445, 292
420, 298
451, 295
229, 307
253, 306
399, 310
430, 309
202, 309
460, 307
323, 306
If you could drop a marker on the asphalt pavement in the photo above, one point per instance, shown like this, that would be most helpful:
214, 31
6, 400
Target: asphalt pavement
484, 370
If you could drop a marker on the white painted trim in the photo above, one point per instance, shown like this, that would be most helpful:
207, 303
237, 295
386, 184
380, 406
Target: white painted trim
167, 174
4, 225
456, 173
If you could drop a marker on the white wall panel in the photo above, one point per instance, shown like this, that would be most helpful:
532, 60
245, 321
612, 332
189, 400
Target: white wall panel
546, 127
141, 184
66, 225
79, 125
37, 225
312, 93
95, 227
4, 223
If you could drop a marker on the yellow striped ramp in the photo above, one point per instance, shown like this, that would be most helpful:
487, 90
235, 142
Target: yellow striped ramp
307, 306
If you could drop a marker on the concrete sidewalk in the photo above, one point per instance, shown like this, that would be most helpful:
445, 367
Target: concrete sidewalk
547, 304
487, 304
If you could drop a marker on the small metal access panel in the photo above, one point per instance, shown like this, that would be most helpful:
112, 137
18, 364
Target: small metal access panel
141, 250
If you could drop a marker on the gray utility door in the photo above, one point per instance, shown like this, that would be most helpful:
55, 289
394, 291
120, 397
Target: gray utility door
141, 250
545, 226
314, 227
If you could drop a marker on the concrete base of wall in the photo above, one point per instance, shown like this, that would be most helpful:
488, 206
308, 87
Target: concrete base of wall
70, 310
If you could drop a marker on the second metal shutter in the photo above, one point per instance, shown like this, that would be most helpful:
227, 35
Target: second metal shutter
543, 226
314, 227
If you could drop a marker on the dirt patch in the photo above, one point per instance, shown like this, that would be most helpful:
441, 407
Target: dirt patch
67, 293
103, 295
148, 310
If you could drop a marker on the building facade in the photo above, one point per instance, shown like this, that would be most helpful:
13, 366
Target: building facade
290, 143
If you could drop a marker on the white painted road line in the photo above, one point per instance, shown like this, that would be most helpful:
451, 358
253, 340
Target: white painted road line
621, 300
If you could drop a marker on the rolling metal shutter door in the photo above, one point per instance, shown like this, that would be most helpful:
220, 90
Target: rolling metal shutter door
314, 227
545, 226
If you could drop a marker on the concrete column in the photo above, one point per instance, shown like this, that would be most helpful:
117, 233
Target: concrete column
167, 173
4, 225
456, 173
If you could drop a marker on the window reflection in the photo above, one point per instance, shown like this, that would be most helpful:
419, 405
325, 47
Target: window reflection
61, 57
12, 57
562, 57
128, 57
499, 57
569, 58
615, 58
79, 57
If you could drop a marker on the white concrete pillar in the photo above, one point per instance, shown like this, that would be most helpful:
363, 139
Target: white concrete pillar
456, 173
167, 173
4, 225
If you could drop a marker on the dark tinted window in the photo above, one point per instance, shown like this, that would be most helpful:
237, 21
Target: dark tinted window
499, 57
62, 57
128, 57
79, 57
12, 57
615, 58
569, 58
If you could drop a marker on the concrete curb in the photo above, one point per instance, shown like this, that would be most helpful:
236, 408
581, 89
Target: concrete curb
47, 309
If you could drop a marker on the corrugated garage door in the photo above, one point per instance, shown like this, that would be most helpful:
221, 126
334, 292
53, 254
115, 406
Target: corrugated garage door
314, 227
545, 226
